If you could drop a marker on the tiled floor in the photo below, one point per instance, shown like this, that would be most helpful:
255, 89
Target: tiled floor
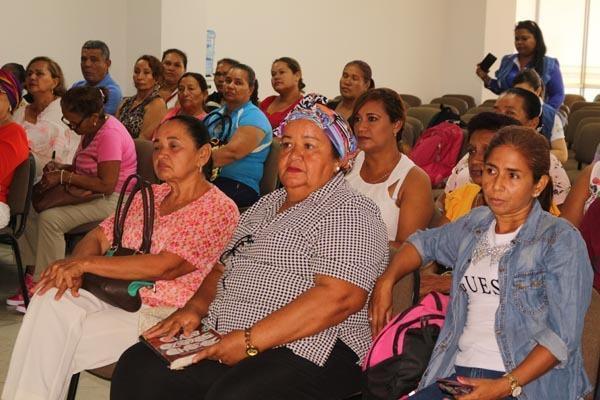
90, 387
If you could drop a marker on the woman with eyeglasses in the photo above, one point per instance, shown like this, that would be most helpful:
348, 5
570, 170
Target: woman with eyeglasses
104, 159
289, 298
48, 137
67, 330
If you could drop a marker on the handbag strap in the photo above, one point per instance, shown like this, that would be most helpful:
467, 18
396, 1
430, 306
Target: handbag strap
117, 225
148, 212
148, 202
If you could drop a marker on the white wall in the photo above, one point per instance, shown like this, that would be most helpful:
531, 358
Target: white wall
464, 45
185, 30
58, 28
499, 33
425, 47
143, 36
401, 40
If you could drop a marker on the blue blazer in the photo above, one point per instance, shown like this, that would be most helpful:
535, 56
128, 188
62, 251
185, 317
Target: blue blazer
552, 77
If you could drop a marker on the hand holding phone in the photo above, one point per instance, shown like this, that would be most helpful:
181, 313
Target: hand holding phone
487, 62
454, 388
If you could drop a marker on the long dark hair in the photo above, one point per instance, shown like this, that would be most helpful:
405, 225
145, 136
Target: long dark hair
534, 148
540, 45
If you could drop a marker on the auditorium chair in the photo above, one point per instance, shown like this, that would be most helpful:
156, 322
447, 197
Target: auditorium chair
19, 201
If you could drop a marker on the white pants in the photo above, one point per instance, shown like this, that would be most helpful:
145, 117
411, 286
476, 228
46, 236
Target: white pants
60, 338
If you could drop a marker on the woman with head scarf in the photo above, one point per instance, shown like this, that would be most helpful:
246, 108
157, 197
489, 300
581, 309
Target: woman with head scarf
290, 292
13, 140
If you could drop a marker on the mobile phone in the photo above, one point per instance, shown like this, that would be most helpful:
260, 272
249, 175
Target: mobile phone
487, 62
453, 388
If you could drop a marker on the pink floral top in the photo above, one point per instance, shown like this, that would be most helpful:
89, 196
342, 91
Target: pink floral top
197, 233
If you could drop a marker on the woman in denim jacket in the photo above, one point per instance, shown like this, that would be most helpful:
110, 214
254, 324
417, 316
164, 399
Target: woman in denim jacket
522, 285
531, 53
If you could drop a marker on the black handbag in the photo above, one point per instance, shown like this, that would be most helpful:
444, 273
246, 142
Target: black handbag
117, 292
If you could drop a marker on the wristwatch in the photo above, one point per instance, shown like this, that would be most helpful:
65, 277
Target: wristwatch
251, 350
515, 388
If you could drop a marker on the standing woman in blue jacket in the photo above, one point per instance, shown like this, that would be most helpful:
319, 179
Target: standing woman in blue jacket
531, 53
521, 285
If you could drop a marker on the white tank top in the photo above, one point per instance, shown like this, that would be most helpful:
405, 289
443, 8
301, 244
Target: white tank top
378, 192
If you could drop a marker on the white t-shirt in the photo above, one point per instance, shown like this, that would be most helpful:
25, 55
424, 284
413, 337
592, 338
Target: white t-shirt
477, 346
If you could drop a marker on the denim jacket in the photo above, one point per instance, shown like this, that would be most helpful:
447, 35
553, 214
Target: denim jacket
545, 282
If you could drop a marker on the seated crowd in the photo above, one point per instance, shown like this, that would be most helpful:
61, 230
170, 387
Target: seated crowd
301, 281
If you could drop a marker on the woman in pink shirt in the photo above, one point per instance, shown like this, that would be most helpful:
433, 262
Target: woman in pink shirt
104, 159
67, 330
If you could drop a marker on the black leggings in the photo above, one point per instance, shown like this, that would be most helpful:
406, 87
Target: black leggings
273, 374
242, 195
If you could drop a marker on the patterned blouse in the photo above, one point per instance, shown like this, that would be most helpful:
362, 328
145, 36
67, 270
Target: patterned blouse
335, 232
133, 117
48, 135
197, 233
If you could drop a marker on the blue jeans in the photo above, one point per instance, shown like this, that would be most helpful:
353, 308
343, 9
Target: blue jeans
433, 392
242, 195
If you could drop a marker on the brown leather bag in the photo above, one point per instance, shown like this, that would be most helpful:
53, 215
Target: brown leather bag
59, 196
116, 291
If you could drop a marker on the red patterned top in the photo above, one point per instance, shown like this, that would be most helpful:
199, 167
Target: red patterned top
197, 233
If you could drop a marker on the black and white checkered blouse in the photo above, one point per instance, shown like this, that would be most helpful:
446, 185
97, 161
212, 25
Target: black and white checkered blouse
335, 232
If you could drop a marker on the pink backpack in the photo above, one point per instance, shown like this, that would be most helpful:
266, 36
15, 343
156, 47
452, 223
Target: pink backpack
400, 353
437, 150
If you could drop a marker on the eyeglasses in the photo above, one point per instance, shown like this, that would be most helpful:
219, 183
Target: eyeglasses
72, 126
240, 243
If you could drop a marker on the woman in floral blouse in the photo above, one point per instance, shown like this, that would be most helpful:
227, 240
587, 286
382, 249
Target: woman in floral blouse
67, 330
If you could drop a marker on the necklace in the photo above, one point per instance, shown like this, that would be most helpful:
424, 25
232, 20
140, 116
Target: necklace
383, 177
